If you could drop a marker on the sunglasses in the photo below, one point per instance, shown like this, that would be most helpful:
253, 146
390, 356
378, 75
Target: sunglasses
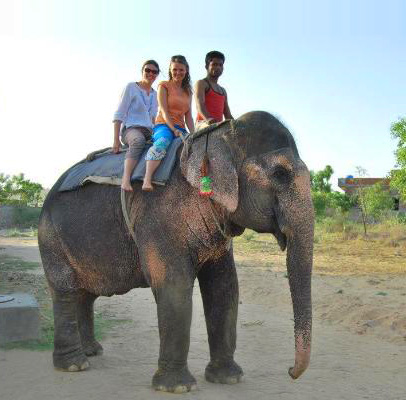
152, 71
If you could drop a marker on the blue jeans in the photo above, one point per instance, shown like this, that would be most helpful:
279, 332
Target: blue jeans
162, 138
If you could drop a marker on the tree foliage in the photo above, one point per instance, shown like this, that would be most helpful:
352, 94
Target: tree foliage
333, 200
16, 190
319, 180
398, 176
323, 197
377, 200
373, 200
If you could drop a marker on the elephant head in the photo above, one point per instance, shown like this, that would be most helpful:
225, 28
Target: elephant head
262, 184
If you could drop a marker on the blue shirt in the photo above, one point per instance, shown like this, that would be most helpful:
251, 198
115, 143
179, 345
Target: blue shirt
136, 107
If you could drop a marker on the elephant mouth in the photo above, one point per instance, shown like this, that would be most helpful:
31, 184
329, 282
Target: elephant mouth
282, 240
279, 235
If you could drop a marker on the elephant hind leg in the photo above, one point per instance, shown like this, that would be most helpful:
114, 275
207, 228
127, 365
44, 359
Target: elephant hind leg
68, 352
85, 317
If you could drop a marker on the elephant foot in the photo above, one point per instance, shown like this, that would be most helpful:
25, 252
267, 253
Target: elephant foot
72, 362
223, 372
93, 348
178, 381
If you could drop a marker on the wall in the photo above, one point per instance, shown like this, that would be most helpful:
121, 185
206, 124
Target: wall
22, 217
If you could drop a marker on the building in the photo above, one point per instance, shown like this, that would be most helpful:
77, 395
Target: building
350, 185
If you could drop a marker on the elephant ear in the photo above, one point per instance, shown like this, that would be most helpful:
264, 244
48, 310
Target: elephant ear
222, 169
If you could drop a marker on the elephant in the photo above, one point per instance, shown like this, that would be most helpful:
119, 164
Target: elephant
259, 182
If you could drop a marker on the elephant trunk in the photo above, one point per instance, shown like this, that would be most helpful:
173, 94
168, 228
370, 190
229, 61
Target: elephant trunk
299, 265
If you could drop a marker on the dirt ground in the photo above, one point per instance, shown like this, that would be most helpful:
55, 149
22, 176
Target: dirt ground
359, 343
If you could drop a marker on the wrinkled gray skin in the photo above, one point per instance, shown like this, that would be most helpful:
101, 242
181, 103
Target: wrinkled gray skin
259, 182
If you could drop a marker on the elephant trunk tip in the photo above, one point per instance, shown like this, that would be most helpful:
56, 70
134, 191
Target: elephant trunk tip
296, 371
302, 361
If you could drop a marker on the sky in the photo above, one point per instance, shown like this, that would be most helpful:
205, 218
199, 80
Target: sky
332, 71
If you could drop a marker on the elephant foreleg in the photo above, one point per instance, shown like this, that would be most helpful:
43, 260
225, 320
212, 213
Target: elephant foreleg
85, 317
174, 304
68, 353
219, 288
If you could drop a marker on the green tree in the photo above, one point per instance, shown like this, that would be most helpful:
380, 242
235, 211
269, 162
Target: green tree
322, 195
320, 180
378, 200
320, 203
341, 201
398, 176
361, 197
5, 188
16, 190
334, 200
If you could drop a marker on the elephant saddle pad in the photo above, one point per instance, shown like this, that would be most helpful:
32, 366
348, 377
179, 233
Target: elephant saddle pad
105, 167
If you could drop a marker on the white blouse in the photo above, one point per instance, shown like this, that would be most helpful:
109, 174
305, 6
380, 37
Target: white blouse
136, 107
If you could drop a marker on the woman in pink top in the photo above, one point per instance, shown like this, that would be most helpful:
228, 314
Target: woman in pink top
174, 100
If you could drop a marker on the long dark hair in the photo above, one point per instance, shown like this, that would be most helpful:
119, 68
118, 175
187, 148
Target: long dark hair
153, 62
186, 86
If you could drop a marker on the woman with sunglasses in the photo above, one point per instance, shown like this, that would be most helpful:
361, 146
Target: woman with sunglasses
135, 118
174, 99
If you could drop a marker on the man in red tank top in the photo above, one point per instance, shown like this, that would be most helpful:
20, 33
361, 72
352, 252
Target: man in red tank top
211, 98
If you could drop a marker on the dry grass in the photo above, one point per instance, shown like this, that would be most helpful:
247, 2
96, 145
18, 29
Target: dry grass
350, 252
340, 249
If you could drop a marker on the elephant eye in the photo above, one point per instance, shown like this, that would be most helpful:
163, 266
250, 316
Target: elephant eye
281, 175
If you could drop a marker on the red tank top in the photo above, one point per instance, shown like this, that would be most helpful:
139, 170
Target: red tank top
214, 105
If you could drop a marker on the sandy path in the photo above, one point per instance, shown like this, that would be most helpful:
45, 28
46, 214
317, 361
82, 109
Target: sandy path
344, 365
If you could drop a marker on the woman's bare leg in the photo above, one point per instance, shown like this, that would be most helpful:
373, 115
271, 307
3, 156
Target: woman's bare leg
151, 167
129, 165
135, 139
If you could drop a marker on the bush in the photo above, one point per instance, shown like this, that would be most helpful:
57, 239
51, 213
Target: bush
351, 231
339, 202
18, 191
249, 235
377, 200
401, 217
26, 217
398, 176
319, 203
17, 232
333, 225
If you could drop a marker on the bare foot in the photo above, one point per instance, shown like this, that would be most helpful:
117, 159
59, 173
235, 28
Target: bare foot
126, 186
147, 187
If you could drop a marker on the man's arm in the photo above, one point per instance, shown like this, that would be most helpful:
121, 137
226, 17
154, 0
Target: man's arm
200, 93
227, 112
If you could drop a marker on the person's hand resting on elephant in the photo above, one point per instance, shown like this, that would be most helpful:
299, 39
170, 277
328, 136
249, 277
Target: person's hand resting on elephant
178, 132
116, 147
